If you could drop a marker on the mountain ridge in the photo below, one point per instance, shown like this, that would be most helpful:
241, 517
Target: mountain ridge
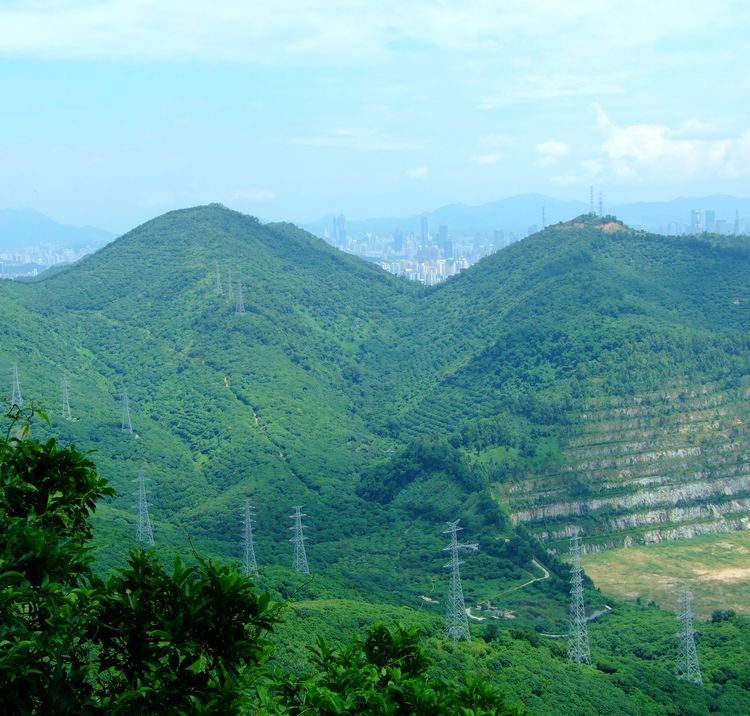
335, 364
518, 213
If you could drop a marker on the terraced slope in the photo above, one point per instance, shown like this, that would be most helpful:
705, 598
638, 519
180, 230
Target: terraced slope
598, 374
646, 468
546, 365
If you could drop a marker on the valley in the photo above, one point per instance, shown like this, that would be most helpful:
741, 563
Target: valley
590, 376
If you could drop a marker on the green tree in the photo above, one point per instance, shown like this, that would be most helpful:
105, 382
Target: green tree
386, 672
142, 641
147, 641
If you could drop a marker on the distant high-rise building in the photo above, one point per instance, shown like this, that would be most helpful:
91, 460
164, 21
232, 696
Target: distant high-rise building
424, 228
499, 236
339, 231
398, 241
695, 222
710, 220
445, 244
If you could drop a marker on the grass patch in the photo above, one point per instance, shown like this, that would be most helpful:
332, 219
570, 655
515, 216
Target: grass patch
715, 567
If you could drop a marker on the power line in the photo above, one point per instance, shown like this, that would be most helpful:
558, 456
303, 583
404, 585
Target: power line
298, 540
688, 668
126, 424
249, 564
143, 533
240, 300
218, 289
16, 398
66, 414
456, 619
578, 635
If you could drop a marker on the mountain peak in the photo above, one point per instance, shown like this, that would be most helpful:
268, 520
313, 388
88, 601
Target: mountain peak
606, 223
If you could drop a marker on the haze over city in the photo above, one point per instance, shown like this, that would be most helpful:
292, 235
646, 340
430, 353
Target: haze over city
116, 111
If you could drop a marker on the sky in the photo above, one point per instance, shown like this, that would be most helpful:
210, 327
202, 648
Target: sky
115, 111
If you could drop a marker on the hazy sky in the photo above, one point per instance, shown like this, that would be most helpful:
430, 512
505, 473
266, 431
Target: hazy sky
114, 111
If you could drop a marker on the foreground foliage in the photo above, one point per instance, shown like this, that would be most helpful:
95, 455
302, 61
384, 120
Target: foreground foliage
149, 641
383, 673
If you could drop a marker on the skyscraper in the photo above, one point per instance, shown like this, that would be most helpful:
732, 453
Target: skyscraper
425, 234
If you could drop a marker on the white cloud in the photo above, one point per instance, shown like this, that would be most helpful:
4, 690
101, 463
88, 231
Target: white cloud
550, 152
417, 173
254, 195
635, 148
589, 170
353, 31
359, 138
491, 158
497, 140
554, 86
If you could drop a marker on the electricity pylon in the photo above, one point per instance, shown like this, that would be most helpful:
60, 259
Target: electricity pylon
219, 290
578, 635
126, 425
230, 286
143, 533
456, 619
688, 668
249, 565
16, 398
240, 300
65, 401
298, 540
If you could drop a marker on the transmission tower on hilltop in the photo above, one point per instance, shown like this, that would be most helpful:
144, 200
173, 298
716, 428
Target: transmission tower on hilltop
578, 635
143, 533
219, 289
688, 668
16, 398
126, 425
298, 540
456, 619
240, 300
65, 400
249, 565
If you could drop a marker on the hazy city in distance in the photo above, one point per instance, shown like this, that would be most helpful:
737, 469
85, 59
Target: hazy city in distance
375, 357
428, 247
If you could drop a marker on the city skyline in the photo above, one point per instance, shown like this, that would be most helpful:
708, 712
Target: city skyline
119, 110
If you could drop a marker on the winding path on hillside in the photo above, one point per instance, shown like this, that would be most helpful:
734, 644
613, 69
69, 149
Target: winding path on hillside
545, 575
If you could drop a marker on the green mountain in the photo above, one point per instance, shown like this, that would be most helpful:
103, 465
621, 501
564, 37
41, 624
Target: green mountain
589, 375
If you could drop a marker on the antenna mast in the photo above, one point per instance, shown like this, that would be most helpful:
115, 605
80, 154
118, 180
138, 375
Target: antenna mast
456, 619
249, 565
16, 398
126, 425
578, 636
65, 401
143, 534
298, 540
591, 199
601, 204
687, 664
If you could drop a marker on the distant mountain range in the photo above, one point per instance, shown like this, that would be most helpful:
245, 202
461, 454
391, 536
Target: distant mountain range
23, 228
515, 217
520, 215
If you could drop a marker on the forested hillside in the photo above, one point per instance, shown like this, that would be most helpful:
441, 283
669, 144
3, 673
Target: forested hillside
589, 376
